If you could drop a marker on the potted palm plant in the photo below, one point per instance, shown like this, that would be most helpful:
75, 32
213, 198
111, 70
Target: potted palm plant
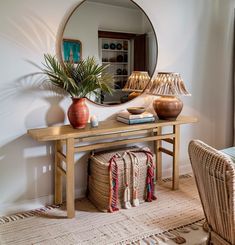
79, 81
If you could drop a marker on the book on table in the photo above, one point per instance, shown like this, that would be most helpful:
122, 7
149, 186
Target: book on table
136, 120
125, 114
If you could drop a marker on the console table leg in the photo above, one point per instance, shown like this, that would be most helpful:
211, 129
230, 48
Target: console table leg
176, 143
58, 175
70, 178
158, 154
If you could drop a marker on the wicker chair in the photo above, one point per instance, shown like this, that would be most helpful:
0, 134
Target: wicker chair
215, 178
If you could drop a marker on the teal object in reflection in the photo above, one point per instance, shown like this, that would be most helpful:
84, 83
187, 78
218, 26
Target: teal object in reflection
72, 50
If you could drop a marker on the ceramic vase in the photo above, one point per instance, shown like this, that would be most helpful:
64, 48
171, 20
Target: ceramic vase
78, 113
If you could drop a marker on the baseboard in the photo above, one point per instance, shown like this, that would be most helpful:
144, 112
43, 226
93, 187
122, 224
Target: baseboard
39, 202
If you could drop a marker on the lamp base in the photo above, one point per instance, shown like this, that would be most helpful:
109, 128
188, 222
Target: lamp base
167, 107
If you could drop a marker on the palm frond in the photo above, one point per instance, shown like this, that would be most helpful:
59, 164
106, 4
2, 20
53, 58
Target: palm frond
81, 80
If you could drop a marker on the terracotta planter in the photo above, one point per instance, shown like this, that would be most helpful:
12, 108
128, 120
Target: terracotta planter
78, 113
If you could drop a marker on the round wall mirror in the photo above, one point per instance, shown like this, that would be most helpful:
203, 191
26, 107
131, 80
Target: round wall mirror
117, 33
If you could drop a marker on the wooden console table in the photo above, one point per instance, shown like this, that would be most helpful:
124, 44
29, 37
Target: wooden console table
108, 133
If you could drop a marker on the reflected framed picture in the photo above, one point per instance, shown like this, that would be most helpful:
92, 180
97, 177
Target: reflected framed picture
72, 50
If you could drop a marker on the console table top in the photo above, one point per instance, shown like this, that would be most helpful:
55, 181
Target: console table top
105, 127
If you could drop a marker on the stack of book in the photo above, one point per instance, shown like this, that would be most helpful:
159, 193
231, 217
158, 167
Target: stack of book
126, 117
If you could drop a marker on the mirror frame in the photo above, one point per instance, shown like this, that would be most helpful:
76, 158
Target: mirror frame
60, 40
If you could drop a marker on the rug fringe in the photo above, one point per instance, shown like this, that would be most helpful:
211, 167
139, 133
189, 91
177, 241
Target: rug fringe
183, 176
164, 236
26, 214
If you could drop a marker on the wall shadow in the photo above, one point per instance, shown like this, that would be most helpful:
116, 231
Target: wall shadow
22, 161
31, 164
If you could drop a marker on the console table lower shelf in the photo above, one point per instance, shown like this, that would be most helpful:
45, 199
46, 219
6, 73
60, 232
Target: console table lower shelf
109, 133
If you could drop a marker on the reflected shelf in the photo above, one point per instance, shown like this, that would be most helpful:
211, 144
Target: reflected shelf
120, 75
115, 63
115, 50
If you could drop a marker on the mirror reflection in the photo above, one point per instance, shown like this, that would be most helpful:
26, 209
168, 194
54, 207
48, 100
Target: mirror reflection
117, 33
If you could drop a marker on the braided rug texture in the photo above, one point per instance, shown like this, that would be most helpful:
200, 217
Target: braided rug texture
172, 209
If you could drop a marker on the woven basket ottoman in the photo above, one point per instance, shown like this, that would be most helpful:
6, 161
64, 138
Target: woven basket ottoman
121, 178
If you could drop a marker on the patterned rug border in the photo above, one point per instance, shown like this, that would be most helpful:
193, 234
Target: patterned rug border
162, 235
38, 211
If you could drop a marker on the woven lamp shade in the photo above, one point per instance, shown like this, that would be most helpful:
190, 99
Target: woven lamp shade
168, 85
136, 83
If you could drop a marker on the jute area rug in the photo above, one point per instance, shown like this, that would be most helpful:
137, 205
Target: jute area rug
147, 223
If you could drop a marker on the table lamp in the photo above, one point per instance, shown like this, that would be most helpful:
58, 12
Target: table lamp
167, 85
136, 83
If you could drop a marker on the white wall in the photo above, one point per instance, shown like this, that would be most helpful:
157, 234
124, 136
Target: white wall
195, 38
